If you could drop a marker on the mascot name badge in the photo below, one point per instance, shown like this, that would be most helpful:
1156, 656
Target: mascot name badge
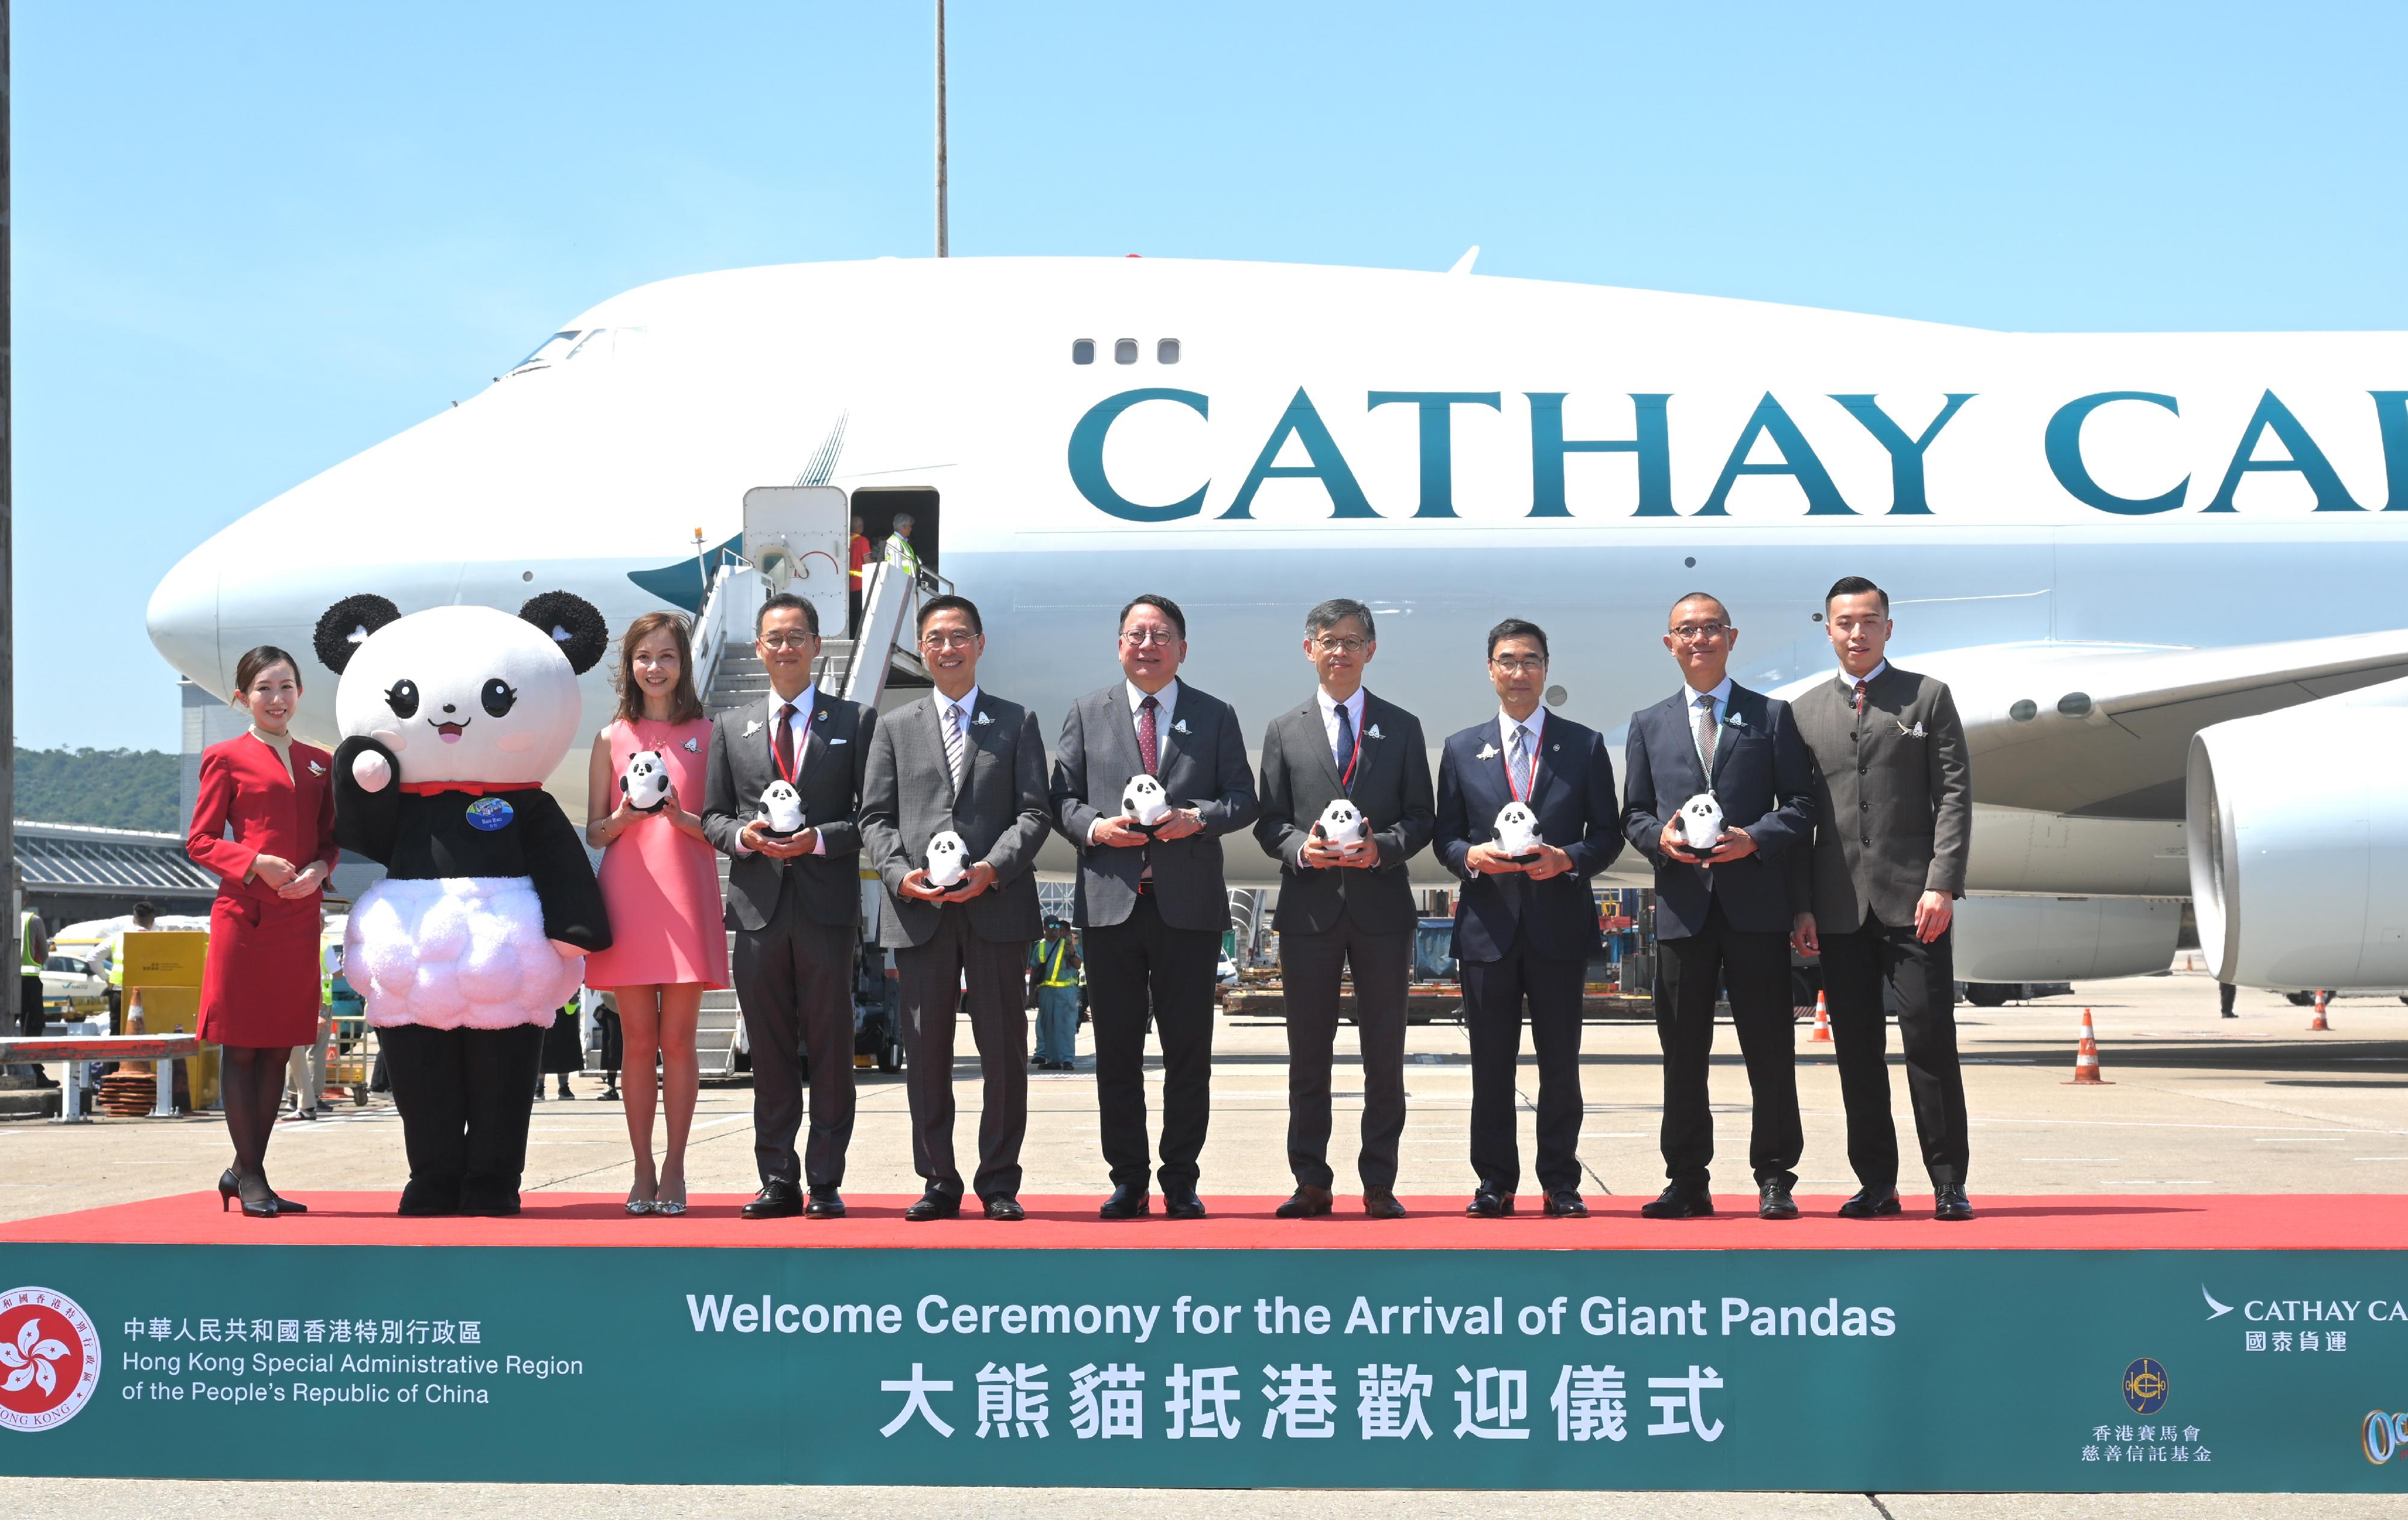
451, 718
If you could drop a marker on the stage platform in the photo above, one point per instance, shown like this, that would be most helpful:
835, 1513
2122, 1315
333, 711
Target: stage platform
2307, 1222
2061, 1342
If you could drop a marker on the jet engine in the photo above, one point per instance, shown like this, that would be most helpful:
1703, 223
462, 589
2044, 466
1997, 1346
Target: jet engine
2296, 827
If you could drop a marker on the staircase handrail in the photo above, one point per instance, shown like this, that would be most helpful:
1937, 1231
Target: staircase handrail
734, 592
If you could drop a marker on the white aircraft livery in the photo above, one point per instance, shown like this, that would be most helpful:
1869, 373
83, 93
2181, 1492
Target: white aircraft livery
2161, 572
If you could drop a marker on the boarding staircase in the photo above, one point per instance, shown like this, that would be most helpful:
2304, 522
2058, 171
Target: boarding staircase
729, 673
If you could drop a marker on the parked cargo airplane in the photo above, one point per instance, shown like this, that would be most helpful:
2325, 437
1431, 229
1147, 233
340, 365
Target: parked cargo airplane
2161, 572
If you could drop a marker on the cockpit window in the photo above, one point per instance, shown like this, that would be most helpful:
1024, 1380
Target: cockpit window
550, 351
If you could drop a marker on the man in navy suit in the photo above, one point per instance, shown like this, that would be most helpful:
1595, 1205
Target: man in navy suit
1525, 925
1722, 915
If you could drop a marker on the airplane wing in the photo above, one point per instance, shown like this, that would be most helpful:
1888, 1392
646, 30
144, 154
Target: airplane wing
2104, 730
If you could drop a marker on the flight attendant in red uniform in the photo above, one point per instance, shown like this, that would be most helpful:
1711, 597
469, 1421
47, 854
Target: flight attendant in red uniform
259, 997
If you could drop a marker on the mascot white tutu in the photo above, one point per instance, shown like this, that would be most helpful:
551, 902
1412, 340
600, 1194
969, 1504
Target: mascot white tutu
451, 718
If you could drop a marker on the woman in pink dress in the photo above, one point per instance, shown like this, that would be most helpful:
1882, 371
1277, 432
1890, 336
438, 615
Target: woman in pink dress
660, 878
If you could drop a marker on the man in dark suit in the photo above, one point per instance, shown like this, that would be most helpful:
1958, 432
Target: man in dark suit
969, 763
794, 903
1876, 892
1722, 915
1526, 924
1343, 906
1151, 902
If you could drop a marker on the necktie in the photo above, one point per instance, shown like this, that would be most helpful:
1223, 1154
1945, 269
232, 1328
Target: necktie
1345, 750
953, 743
1518, 778
1149, 754
783, 743
1860, 699
1706, 732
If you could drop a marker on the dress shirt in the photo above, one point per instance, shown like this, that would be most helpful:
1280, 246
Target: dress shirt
1689, 695
1165, 702
1848, 682
968, 704
801, 738
1329, 706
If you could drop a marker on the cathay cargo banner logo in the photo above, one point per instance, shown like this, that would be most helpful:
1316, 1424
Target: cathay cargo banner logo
50, 1359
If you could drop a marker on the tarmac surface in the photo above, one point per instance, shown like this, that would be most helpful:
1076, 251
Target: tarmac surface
2194, 1104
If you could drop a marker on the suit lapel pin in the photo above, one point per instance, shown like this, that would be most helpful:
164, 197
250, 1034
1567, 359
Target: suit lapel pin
693, 746
820, 716
316, 769
1916, 732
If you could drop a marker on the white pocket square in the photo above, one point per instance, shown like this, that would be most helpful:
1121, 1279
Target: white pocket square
834, 742
1374, 732
1180, 727
316, 769
1487, 751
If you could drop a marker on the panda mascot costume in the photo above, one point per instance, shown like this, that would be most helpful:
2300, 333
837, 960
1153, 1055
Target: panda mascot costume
451, 718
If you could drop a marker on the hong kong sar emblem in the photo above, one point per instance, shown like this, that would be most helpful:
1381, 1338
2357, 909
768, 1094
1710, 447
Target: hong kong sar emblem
2145, 1387
50, 1359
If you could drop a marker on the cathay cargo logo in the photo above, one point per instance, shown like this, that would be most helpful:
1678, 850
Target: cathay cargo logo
1779, 437
50, 1359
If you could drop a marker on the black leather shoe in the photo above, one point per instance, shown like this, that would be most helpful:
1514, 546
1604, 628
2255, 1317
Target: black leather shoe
1181, 1203
1950, 1204
776, 1200
1489, 1204
1381, 1203
1679, 1201
825, 1204
1871, 1203
1006, 1208
1306, 1203
1772, 1202
1566, 1204
1128, 1201
935, 1206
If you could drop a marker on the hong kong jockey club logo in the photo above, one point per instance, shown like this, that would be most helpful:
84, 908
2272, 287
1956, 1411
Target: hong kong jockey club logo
50, 1359
2145, 1387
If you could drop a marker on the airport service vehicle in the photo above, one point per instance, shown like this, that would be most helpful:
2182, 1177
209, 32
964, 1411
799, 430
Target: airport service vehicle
2160, 571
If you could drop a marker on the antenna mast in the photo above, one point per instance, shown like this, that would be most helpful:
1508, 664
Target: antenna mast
941, 251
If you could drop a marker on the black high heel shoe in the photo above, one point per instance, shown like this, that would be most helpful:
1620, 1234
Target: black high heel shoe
228, 1189
285, 1205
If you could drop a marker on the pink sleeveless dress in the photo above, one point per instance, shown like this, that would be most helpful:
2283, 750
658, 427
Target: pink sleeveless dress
662, 887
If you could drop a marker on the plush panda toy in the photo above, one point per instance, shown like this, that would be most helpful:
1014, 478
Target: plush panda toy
1517, 832
781, 809
645, 782
1701, 823
1341, 823
451, 719
948, 859
1144, 802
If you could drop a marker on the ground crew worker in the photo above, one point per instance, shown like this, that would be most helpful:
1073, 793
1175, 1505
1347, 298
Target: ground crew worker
144, 915
858, 552
1056, 960
32, 948
899, 551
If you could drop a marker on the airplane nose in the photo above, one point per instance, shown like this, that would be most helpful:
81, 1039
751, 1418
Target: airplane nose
183, 620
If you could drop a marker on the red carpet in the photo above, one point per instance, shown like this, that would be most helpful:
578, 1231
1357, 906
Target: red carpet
2303, 1222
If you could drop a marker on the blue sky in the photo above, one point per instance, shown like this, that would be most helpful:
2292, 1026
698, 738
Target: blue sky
252, 240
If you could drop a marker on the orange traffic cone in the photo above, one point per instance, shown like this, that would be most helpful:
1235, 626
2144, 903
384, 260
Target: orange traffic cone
1822, 1035
2318, 1024
2085, 1057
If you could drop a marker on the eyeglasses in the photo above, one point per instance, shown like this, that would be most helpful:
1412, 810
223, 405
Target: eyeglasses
1341, 646
1513, 666
962, 638
1697, 633
1142, 636
788, 640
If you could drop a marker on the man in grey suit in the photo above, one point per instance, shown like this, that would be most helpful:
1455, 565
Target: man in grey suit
794, 903
1894, 794
1344, 905
970, 764
1150, 899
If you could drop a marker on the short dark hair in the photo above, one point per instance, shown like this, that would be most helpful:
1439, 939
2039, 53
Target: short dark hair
1701, 596
257, 662
1517, 628
951, 603
1163, 605
1336, 610
145, 911
1854, 585
787, 601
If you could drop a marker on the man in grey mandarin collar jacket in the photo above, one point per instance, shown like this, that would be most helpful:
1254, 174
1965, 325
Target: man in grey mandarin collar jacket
1152, 903
969, 763
1875, 896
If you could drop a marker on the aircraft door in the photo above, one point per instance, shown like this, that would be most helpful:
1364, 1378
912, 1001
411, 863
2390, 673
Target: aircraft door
794, 535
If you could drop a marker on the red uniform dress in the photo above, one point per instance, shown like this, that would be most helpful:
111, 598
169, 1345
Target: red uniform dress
262, 988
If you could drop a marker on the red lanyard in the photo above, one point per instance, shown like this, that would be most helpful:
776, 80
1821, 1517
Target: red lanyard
1346, 778
1525, 792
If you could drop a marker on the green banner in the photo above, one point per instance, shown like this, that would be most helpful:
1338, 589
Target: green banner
1884, 1370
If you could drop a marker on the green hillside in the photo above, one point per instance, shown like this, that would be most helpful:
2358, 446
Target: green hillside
103, 788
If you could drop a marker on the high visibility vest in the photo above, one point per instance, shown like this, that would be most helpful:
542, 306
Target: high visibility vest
25, 957
117, 959
901, 553
1055, 976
